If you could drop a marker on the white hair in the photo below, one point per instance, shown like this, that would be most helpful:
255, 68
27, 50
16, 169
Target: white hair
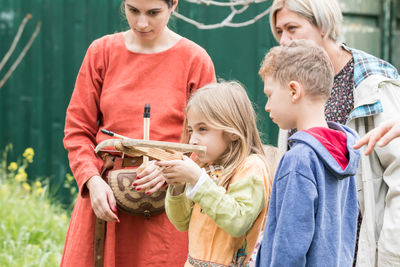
324, 14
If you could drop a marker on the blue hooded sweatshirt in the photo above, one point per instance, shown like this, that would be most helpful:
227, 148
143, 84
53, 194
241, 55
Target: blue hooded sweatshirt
312, 215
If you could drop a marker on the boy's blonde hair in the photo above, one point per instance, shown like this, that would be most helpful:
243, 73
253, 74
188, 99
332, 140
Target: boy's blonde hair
226, 106
302, 61
324, 14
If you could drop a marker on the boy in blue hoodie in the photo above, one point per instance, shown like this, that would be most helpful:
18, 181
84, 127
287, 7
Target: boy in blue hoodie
312, 216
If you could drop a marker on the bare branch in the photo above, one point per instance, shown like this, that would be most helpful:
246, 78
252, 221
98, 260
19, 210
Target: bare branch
15, 41
226, 4
236, 7
22, 55
239, 11
227, 22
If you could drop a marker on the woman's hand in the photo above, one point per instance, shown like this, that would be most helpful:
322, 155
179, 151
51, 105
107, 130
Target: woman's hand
149, 179
180, 171
381, 135
102, 199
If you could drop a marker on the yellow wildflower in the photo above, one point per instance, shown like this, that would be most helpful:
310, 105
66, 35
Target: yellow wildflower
38, 184
18, 177
69, 177
47, 206
28, 154
63, 217
13, 166
39, 190
26, 186
21, 175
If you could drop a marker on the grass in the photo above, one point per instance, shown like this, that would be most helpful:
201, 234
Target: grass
32, 226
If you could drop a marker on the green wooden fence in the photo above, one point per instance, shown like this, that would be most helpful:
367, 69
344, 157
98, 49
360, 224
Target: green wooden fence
33, 102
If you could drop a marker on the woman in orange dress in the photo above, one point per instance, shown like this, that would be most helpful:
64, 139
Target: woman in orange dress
121, 72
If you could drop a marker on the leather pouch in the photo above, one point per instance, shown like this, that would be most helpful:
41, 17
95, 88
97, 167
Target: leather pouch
131, 201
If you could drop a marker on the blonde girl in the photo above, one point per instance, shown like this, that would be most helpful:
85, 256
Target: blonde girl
223, 211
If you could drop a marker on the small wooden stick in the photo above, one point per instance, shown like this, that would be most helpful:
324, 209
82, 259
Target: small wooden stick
107, 132
146, 129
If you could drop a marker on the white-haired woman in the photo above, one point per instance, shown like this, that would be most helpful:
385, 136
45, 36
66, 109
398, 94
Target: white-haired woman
366, 92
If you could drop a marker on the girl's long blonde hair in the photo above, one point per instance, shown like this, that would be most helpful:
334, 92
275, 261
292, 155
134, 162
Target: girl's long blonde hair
226, 106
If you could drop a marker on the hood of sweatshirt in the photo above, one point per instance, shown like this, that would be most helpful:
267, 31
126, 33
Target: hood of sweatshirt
334, 147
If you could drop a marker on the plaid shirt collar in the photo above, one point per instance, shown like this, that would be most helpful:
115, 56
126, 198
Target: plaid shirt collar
366, 65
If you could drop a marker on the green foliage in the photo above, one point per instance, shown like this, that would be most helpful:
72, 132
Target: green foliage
32, 226
72, 189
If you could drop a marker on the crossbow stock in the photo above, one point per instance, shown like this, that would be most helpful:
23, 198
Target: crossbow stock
158, 150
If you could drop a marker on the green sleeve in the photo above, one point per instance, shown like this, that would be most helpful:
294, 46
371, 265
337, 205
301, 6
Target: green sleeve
236, 211
178, 209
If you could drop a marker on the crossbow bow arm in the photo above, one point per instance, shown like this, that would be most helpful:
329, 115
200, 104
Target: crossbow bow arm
107, 143
132, 143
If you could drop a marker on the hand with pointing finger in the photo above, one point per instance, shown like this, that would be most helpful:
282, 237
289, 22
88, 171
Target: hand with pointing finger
381, 135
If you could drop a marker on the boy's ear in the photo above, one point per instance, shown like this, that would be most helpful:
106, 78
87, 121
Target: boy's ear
296, 91
174, 5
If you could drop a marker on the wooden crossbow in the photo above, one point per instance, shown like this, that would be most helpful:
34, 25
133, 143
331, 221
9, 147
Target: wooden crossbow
157, 150
144, 147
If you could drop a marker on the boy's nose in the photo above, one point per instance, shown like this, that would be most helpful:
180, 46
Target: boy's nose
267, 108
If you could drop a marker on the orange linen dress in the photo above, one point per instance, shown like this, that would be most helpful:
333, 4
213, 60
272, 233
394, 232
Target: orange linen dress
111, 89
210, 245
